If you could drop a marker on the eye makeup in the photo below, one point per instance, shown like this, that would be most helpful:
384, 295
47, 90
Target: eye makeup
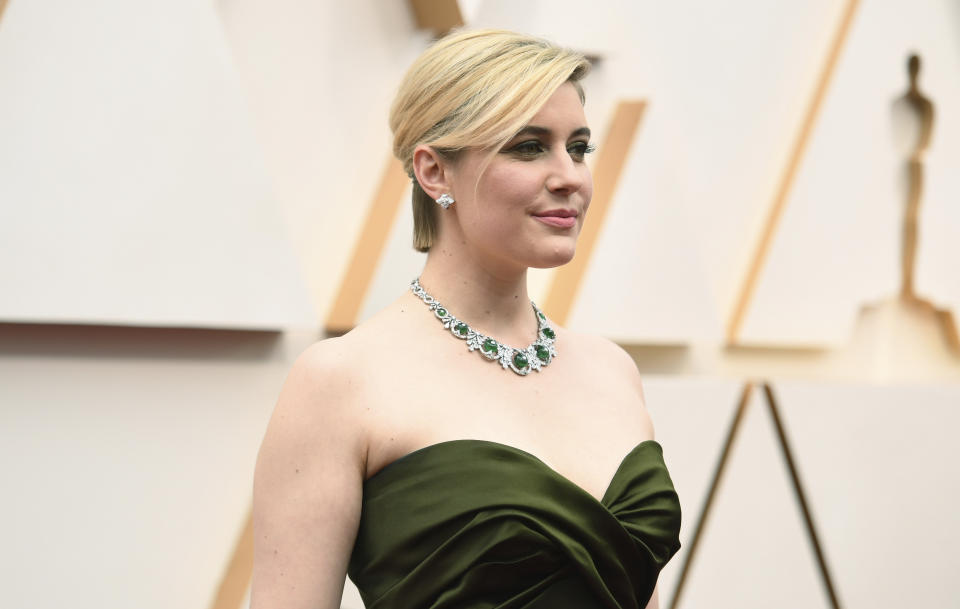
528, 149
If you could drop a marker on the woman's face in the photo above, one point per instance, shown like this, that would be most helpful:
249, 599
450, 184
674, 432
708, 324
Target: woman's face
527, 206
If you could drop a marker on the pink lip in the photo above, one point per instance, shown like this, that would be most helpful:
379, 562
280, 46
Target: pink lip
561, 218
558, 221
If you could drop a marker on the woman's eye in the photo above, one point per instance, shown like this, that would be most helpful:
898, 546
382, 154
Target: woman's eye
578, 150
531, 148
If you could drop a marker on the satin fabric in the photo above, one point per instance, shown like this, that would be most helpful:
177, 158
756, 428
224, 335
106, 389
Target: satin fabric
475, 524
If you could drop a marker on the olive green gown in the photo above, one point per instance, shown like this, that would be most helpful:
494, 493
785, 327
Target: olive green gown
471, 524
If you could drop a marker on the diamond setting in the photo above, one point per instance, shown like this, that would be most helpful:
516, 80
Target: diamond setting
536, 356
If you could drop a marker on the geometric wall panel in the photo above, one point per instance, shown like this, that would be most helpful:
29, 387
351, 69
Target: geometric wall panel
754, 550
368, 250
879, 465
133, 189
351, 596
838, 245
627, 291
691, 418
399, 263
320, 78
129, 477
714, 136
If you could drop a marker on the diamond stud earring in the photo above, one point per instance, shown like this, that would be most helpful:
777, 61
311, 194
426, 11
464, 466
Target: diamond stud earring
445, 201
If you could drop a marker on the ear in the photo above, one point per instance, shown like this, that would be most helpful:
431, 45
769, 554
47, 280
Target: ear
432, 171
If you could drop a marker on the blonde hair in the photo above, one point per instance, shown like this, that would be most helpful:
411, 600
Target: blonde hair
473, 89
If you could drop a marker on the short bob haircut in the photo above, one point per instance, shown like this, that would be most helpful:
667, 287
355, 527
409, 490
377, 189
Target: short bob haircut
473, 89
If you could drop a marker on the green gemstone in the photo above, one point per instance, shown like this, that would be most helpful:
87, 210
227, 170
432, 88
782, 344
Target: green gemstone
442, 312
520, 360
542, 353
542, 316
549, 333
490, 345
461, 328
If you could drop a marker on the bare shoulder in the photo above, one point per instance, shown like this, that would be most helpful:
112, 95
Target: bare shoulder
607, 355
315, 423
610, 377
320, 388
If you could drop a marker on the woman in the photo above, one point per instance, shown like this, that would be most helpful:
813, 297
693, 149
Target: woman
403, 452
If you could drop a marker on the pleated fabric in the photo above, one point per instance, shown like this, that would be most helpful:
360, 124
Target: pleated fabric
472, 524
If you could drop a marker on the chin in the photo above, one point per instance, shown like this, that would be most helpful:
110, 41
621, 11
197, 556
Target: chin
558, 256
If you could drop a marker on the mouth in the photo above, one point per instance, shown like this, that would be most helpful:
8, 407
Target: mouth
560, 218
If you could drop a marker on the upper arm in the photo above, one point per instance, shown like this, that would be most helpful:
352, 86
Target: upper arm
308, 487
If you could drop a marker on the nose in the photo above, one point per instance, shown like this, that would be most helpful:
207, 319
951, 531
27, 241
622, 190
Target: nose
566, 175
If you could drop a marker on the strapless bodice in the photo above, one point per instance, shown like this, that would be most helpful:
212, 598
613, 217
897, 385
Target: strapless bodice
478, 524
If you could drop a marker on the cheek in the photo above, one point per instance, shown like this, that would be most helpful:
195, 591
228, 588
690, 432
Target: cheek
587, 190
507, 190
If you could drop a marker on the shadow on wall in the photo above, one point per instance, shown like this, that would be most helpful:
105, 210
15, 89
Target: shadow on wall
92, 341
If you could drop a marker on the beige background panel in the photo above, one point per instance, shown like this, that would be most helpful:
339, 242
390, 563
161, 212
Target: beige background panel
880, 468
369, 247
936, 274
133, 189
732, 115
321, 114
351, 596
129, 458
646, 258
754, 552
711, 164
691, 418
399, 264
789, 171
839, 243
561, 21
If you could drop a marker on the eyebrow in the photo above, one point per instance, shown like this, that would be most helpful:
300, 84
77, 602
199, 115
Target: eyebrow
543, 131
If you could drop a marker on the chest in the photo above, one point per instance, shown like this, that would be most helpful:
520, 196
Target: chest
578, 421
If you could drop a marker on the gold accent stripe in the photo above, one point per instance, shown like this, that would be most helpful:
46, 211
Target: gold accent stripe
949, 325
236, 579
945, 319
611, 159
711, 494
789, 173
441, 16
368, 249
801, 497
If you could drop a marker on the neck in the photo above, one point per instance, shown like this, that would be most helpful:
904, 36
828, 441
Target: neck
492, 299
